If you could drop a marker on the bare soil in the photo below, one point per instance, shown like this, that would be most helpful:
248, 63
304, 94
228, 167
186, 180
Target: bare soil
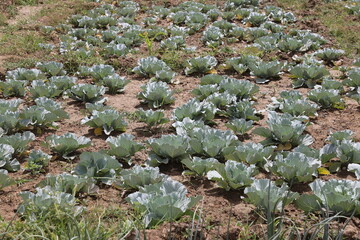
224, 214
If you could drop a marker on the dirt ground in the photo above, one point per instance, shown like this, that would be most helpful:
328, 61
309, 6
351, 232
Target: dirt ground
224, 214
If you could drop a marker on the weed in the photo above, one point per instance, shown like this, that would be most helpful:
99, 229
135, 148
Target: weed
20, 43
21, 63
336, 19
26, 2
174, 59
99, 223
74, 59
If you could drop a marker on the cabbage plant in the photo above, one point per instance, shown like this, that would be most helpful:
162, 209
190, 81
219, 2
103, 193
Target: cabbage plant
66, 144
240, 126
295, 167
123, 147
52, 106
5, 180
255, 19
203, 91
138, 176
212, 37
18, 141
87, 92
354, 167
254, 33
63, 83
99, 166
6, 160
69, 183
232, 175
195, 21
306, 74
195, 110
164, 76
107, 121
114, 83
225, 26
342, 147
348, 151
13, 88
156, 94
37, 161
210, 142
41, 89
221, 101
98, 72
149, 66
117, 50
264, 71
353, 81
200, 65
268, 197
327, 98
242, 89
284, 129
37, 205
335, 196
164, 201
173, 43
9, 121
240, 64
51, 68
151, 118
211, 79
25, 74
329, 54
290, 44
9, 105
293, 103
198, 166
185, 126
251, 153
168, 148
97, 106
243, 109
42, 116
